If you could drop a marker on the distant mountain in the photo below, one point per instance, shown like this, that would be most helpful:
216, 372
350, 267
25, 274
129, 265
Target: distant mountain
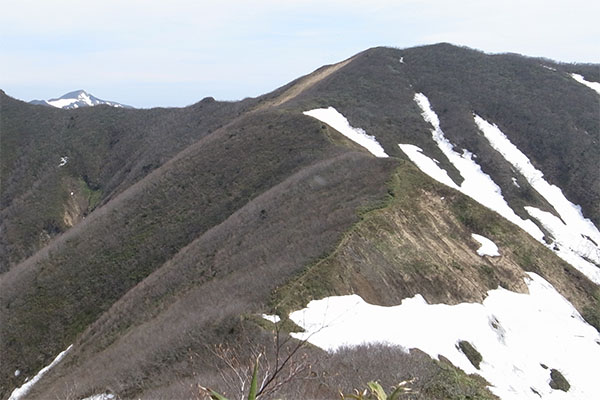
77, 99
436, 198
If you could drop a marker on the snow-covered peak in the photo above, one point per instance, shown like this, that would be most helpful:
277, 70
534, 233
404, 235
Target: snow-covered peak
76, 99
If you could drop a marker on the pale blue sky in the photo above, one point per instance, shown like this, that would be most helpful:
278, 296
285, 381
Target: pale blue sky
173, 53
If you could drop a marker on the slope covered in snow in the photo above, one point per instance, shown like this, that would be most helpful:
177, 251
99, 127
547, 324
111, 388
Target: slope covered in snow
569, 212
476, 184
516, 335
575, 237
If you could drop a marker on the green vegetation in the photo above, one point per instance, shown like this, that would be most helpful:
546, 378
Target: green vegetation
108, 148
453, 384
93, 196
471, 352
558, 381
376, 392
591, 312
477, 219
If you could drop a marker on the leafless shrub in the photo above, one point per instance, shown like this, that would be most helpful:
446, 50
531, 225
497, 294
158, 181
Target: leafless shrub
276, 367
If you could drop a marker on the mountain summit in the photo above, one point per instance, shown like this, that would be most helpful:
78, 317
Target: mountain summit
425, 215
77, 99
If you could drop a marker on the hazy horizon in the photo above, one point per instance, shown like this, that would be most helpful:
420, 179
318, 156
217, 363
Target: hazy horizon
149, 53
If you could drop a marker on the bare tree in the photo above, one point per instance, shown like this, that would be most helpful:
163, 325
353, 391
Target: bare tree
263, 373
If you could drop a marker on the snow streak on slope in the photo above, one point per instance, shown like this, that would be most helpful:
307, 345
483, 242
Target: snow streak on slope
515, 333
568, 245
272, 318
574, 233
337, 121
19, 392
488, 248
476, 184
427, 165
595, 86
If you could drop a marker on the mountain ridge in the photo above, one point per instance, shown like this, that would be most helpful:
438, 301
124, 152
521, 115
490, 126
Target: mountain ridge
257, 189
76, 99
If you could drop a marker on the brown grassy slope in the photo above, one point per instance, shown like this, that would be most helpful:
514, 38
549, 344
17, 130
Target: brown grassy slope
146, 338
53, 296
421, 244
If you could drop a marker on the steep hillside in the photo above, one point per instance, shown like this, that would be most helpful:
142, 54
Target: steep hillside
545, 112
149, 242
58, 166
421, 243
96, 262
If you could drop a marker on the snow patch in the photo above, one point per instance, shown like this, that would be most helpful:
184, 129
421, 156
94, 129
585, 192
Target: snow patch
337, 121
572, 232
488, 248
476, 184
17, 372
61, 103
427, 165
569, 244
63, 161
273, 318
550, 68
513, 332
514, 181
19, 392
595, 86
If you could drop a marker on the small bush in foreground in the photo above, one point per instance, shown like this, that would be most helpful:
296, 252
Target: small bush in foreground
376, 392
